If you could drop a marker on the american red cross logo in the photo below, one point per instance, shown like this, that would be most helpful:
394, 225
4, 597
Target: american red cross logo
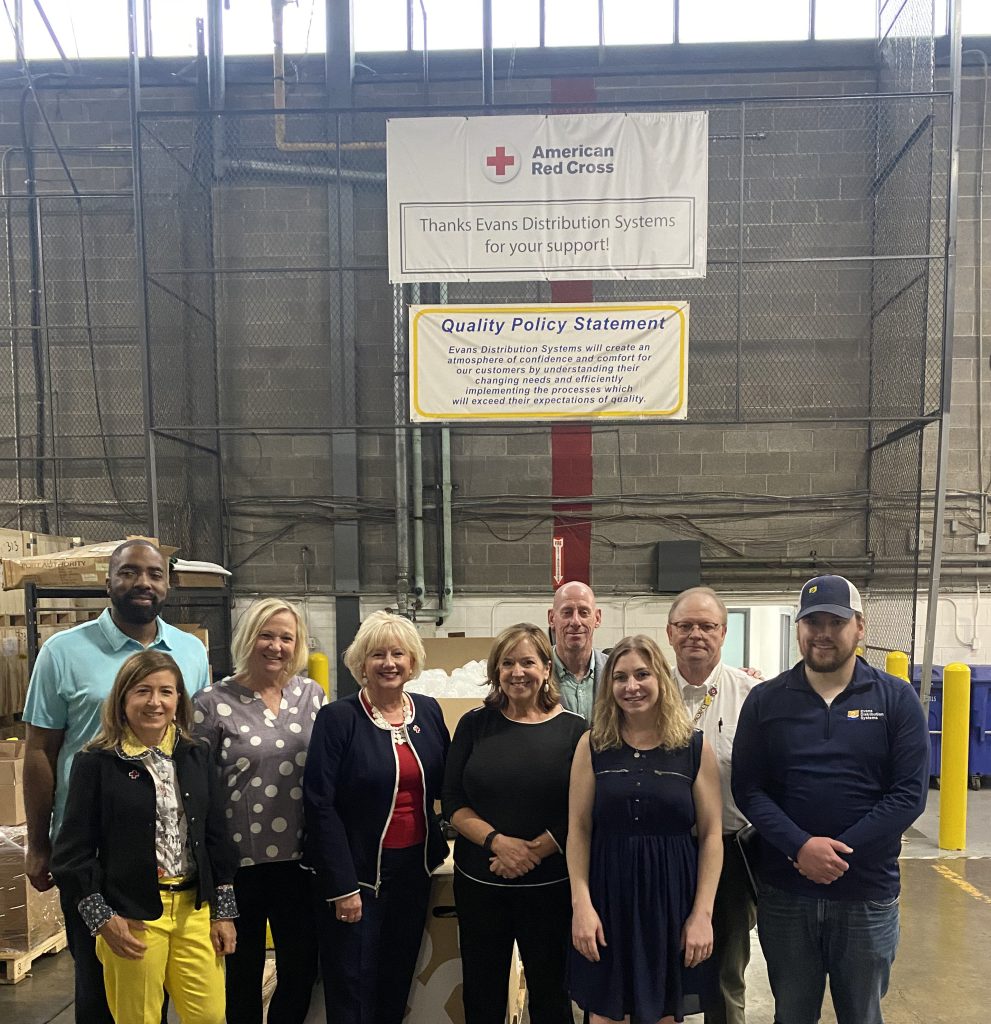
500, 160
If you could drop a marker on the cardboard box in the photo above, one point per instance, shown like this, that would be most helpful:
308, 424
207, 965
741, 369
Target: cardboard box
451, 652
452, 708
435, 997
11, 747
11, 771
198, 579
12, 811
79, 567
201, 634
27, 917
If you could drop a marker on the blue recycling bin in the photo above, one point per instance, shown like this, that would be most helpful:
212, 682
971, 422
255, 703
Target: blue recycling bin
935, 714
979, 746
980, 720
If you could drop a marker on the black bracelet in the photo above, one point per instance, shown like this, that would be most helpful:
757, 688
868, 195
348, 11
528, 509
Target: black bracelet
487, 841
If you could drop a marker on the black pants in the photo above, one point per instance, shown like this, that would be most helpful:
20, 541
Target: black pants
91, 993
279, 892
490, 918
368, 967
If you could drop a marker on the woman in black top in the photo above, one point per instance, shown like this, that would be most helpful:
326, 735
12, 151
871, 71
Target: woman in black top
506, 792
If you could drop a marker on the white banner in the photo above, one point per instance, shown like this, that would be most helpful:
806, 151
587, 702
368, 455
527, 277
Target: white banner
599, 361
548, 197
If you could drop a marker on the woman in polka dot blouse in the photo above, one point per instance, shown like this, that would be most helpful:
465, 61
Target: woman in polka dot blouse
373, 777
258, 724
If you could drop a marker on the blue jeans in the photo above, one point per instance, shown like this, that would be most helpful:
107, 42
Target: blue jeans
805, 940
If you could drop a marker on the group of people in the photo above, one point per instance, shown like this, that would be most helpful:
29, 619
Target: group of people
595, 798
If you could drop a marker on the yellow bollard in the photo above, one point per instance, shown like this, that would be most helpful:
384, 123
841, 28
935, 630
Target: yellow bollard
896, 664
954, 760
318, 668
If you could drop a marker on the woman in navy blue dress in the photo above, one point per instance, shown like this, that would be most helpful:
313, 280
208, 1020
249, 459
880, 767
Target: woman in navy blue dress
642, 885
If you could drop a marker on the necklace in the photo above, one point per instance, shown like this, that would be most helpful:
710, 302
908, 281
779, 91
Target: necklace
399, 736
638, 751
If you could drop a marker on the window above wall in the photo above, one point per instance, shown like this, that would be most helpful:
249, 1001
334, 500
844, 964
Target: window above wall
98, 28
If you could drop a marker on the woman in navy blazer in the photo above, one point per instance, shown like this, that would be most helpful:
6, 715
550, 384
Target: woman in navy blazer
373, 774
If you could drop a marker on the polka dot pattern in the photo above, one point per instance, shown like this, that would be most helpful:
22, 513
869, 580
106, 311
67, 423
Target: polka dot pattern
261, 754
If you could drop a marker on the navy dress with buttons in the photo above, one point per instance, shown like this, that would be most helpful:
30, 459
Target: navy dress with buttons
643, 870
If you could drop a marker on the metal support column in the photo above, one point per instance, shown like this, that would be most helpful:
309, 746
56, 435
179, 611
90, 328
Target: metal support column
943, 456
134, 95
340, 52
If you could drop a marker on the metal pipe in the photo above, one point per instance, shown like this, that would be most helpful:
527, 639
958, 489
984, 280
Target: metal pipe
741, 199
488, 56
15, 391
146, 25
979, 298
949, 306
47, 338
34, 270
215, 70
279, 98
270, 167
419, 580
416, 444
402, 480
134, 97
447, 596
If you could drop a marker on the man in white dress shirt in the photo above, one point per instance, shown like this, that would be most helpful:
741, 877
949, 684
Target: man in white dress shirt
714, 694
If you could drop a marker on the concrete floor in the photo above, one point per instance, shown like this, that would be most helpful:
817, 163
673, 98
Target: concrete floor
940, 975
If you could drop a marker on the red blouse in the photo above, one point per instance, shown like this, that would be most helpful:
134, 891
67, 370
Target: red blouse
407, 826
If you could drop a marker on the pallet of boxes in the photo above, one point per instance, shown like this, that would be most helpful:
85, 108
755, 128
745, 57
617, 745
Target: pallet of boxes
19, 551
31, 922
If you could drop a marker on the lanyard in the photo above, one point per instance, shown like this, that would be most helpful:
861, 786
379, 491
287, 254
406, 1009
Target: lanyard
704, 707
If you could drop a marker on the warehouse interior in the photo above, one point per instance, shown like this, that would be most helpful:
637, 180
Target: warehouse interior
200, 342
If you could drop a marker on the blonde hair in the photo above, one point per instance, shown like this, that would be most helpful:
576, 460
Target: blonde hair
670, 716
253, 621
137, 668
549, 696
377, 630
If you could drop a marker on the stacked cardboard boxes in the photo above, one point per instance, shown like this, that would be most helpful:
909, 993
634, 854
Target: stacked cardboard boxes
27, 917
12, 782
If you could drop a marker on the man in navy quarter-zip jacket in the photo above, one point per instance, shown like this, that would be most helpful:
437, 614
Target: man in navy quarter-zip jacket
831, 764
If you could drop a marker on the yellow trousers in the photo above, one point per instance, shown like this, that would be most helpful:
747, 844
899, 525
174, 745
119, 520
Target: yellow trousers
179, 958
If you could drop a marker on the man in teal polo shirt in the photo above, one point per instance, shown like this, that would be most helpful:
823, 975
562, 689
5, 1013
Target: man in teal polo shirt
72, 676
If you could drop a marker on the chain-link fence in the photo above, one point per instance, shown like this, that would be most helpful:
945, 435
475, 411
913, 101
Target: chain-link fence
275, 350
822, 306
71, 429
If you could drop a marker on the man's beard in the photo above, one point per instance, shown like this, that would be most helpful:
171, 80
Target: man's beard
829, 660
136, 614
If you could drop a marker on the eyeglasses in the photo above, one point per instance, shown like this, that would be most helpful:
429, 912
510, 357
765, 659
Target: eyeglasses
705, 628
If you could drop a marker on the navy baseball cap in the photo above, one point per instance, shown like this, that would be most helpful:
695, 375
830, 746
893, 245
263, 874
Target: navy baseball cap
831, 594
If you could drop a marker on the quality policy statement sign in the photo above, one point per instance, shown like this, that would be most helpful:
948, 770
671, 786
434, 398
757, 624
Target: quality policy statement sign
559, 362
548, 197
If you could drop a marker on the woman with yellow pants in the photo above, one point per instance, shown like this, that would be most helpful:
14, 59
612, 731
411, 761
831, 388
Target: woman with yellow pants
143, 851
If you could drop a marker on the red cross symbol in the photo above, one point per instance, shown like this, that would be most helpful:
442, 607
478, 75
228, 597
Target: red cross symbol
500, 161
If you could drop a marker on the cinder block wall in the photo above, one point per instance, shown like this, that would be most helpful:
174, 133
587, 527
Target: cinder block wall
799, 200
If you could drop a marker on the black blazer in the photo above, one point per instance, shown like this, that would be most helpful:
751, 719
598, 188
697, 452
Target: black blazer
107, 841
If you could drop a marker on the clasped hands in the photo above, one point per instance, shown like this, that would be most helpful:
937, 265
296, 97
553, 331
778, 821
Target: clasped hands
513, 858
819, 859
